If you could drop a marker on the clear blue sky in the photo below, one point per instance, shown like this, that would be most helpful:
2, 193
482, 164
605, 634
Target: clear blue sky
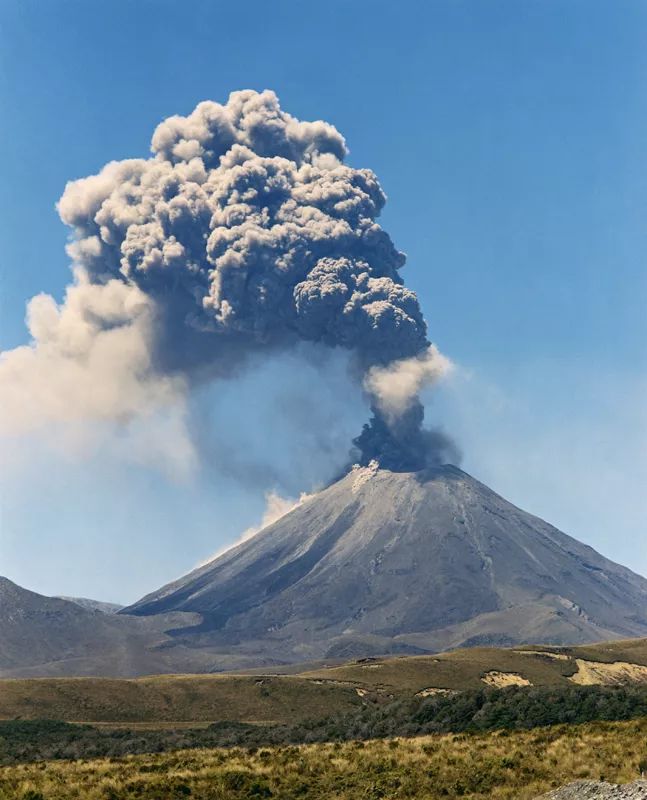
510, 137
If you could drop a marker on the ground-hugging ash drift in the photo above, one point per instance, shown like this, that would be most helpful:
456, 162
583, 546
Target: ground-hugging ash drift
243, 234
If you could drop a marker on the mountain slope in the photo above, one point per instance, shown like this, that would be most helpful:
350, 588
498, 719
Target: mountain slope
388, 562
48, 636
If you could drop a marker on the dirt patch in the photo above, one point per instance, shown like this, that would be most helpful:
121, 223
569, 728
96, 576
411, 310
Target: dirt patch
590, 673
432, 690
546, 654
502, 679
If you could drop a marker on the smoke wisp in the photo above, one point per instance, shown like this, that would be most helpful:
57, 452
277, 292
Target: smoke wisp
276, 507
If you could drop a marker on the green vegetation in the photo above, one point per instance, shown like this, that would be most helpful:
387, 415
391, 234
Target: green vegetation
513, 708
496, 765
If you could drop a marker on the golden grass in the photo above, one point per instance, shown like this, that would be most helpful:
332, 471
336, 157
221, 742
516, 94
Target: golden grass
519, 765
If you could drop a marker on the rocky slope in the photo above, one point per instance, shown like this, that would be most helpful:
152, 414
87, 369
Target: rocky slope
599, 790
391, 562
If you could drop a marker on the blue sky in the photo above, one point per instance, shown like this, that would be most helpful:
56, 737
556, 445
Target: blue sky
510, 140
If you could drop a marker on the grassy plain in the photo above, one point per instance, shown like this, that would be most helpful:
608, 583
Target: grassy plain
496, 765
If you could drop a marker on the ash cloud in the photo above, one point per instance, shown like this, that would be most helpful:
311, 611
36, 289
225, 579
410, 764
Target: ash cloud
243, 235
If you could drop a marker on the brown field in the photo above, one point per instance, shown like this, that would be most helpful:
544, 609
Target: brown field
172, 698
495, 765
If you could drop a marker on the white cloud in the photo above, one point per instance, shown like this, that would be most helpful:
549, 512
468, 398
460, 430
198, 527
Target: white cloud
86, 379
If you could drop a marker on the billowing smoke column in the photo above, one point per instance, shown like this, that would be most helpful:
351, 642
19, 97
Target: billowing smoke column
244, 233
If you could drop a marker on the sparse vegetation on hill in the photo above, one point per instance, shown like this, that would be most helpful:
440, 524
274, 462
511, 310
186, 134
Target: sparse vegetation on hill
465, 668
313, 693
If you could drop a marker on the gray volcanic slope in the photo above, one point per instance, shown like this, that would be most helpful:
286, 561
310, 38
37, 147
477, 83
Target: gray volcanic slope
388, 562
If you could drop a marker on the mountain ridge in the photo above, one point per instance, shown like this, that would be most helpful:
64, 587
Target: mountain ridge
93, 605
50, 636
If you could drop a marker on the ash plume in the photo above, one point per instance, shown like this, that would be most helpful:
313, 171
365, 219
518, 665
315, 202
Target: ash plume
244, 234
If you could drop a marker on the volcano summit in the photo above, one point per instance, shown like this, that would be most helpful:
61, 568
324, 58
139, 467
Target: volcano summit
402, 562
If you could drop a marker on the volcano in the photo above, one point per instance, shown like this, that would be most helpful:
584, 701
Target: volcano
401, 562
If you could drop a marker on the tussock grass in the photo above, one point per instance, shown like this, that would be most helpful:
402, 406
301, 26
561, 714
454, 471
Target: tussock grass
497, 765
